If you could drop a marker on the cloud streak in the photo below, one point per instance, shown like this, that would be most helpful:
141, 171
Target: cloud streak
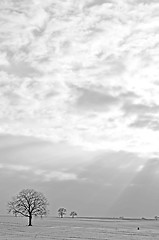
55, 175
35, 174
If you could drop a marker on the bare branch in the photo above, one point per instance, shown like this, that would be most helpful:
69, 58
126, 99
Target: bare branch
28, 203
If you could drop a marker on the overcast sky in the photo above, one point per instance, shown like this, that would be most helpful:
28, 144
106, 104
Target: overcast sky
79, 104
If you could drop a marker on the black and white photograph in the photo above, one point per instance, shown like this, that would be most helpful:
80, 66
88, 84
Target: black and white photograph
79, 119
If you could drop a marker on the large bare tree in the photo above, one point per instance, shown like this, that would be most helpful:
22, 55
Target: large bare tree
28, 203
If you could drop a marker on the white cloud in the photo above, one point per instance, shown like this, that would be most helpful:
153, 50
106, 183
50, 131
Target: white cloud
39, 174
140, 168
15, 168
55, 175
108, 49
3, 59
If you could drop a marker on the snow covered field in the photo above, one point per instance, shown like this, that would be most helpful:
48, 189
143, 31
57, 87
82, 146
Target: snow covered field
15, 228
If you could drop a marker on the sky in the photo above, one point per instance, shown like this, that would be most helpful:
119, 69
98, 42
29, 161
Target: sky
79, 104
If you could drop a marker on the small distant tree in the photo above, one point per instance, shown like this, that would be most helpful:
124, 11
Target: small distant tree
73, 214
62, 212
156, 217
28, 203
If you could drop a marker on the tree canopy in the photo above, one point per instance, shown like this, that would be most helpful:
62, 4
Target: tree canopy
73, 214
28, 203
61, 212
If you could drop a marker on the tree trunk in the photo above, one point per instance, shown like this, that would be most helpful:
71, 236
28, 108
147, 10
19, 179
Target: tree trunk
30, 219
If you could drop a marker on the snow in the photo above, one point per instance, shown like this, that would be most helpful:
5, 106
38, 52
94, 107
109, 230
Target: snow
15, 228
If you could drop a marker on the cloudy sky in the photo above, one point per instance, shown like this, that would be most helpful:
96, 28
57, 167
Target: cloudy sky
79, 104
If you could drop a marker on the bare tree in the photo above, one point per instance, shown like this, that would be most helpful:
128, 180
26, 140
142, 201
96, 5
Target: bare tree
73, 214
28, 203
61, 212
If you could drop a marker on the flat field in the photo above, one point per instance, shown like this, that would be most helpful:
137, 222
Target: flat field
15, 228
